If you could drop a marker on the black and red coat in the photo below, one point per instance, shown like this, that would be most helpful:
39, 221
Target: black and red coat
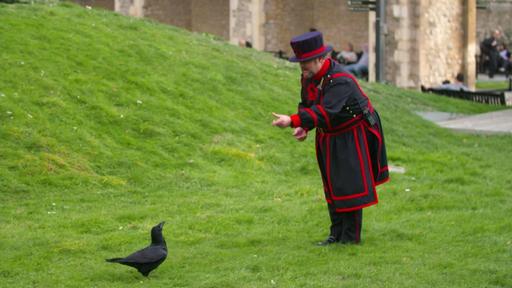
350, 145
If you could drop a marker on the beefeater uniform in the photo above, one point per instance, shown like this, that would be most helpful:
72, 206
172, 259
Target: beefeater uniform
350, 146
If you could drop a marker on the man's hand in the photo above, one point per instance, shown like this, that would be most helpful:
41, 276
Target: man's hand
282, 121
300, 134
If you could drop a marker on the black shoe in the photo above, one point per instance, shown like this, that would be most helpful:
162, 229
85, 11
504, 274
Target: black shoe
330, 240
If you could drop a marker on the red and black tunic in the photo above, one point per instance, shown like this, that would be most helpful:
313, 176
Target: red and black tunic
349, 141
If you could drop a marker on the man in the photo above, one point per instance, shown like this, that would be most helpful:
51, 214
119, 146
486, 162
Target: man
458, 85
349, 140
505, 60
489, 47
360, 68
347, 56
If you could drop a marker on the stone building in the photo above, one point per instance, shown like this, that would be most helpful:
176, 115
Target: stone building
426, 41
429, 41
492, 15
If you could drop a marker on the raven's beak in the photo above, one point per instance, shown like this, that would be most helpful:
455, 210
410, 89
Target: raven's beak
161, 224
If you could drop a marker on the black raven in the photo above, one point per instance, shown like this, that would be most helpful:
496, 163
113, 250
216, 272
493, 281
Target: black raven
147, 259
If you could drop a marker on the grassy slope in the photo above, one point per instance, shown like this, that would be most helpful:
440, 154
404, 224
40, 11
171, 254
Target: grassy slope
492, 85
110, 124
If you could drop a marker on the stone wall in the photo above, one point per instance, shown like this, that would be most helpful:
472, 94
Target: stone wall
401, 65
210, 16
241, 16
426, 42
340, 25
441, 41
285, 19
173, 12
247, 21
269, 23
288, 18
106, 4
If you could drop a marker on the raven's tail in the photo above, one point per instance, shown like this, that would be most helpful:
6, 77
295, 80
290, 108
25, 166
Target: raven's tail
114, 260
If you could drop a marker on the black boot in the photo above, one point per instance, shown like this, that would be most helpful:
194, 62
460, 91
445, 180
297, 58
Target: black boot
330, 240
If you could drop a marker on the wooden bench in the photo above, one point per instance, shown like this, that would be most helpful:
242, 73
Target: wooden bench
492, 97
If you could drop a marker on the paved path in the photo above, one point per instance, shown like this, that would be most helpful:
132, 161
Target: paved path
497, 78
493, 122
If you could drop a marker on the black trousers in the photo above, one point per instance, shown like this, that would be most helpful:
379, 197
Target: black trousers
493, 63
346, 226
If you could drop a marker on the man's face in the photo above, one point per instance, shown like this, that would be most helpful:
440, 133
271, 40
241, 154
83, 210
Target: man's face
311, 67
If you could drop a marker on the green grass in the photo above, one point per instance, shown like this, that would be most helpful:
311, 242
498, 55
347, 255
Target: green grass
109, 125
492, 85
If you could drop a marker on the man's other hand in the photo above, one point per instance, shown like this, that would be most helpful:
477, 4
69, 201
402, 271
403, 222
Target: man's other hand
300, 134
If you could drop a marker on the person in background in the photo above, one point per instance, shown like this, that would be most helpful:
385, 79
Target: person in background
347, 56
505, 59
360, 68
490, 48
458, 85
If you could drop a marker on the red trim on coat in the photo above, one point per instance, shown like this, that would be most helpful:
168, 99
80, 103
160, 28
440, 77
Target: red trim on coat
296, 122
323, 70
379, 137
369, 156
336, 131
382, 181
361, 163
348, 75
360, 156
324, 113
369, 163
318, 142
328, 166
313, 115
312, 92
356, 208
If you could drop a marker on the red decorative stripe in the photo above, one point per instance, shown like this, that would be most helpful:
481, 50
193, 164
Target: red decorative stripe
311, 53
358, 148
347, 123
318, 144
348, 75
369, 163
368, 156
323, 70
357, 207
324, 113
313, 115
296, 122
328, 165
312, 92
336, 132
382, 181
377, 134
